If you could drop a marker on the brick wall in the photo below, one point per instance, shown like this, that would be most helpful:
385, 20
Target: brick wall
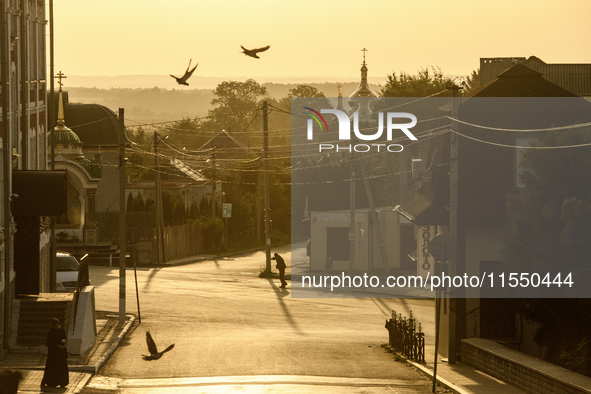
520, 370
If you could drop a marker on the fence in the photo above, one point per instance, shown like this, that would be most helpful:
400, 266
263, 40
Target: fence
406, 338
182, 241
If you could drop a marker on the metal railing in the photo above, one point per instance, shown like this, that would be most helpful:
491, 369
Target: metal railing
405, 337
82, 282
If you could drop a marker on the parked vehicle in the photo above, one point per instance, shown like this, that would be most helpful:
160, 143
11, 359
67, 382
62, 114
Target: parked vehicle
68, 271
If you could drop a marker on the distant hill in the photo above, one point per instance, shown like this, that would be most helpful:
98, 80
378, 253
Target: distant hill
148, 105
196, 81
152, 104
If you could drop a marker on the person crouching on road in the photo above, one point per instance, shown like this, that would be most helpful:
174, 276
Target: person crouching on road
281, 267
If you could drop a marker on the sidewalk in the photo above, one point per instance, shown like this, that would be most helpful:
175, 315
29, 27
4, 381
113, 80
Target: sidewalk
110, 333
464, 379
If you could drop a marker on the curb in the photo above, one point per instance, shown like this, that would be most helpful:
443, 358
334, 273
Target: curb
445, 383
176, 263
94, 369
83, 383
105, 358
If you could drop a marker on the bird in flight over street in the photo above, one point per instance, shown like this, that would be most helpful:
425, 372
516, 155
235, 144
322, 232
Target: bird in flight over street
253, 52
154, 354
183, 80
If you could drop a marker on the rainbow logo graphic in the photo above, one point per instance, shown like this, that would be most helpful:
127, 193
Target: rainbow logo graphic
317, 117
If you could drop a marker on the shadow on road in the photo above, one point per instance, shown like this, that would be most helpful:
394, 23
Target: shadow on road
281, 293
386, 309
152, 275
216, 260
48, 389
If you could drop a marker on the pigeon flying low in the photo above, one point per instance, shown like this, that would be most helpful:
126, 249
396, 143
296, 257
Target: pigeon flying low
253, 52
154, 353
183, 80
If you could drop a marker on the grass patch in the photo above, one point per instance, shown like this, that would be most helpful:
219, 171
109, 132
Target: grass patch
397, 357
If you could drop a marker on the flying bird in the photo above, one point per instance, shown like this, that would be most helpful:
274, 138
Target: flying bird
253, 52
183, 80
154, 353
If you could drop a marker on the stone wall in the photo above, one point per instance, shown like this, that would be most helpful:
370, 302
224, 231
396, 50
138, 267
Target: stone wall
520, 370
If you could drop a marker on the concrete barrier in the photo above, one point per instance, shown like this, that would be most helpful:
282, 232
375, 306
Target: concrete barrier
82, 331
521, 370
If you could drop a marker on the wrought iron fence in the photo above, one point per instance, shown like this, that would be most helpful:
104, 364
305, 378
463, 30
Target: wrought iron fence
406, 337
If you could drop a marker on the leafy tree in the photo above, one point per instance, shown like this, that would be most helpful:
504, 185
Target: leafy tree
471, 82
150, 204
139, 135
129, 207
167, 208
549, 228
305, 91
204, 207
242, 225
138, 203
186, 134
424, 83
236, 104
138, 168
280, 208
194, 211
212, 230
180, 212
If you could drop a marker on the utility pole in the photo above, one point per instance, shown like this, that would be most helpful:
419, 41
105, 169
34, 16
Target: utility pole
374, 217
351, 214
267, 188
213, 171
160, 255
453, 224
122, 221
51, 126
259, 194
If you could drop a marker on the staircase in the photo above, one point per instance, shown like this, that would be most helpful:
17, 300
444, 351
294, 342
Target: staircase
31, 319
102, 254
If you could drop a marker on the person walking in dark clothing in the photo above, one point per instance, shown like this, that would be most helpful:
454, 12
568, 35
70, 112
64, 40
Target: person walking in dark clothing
281, 267
56, 367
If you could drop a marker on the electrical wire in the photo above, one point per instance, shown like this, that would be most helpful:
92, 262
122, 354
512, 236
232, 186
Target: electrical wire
518, 146
569, 127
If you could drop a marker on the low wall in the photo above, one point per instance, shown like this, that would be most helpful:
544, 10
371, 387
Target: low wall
520, 370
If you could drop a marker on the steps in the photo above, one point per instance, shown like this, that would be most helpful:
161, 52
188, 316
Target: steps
99, 254
31, 319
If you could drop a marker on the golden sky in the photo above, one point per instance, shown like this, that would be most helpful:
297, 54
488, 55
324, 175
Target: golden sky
312, 38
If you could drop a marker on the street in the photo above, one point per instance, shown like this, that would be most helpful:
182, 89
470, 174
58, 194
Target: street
226, 321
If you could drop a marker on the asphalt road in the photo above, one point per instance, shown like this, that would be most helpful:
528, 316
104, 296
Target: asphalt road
226, 321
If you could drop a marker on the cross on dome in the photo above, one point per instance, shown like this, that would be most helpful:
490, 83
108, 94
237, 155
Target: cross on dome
59, 77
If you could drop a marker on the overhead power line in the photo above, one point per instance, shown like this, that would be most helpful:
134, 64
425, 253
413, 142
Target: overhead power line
520, 146
568, 127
